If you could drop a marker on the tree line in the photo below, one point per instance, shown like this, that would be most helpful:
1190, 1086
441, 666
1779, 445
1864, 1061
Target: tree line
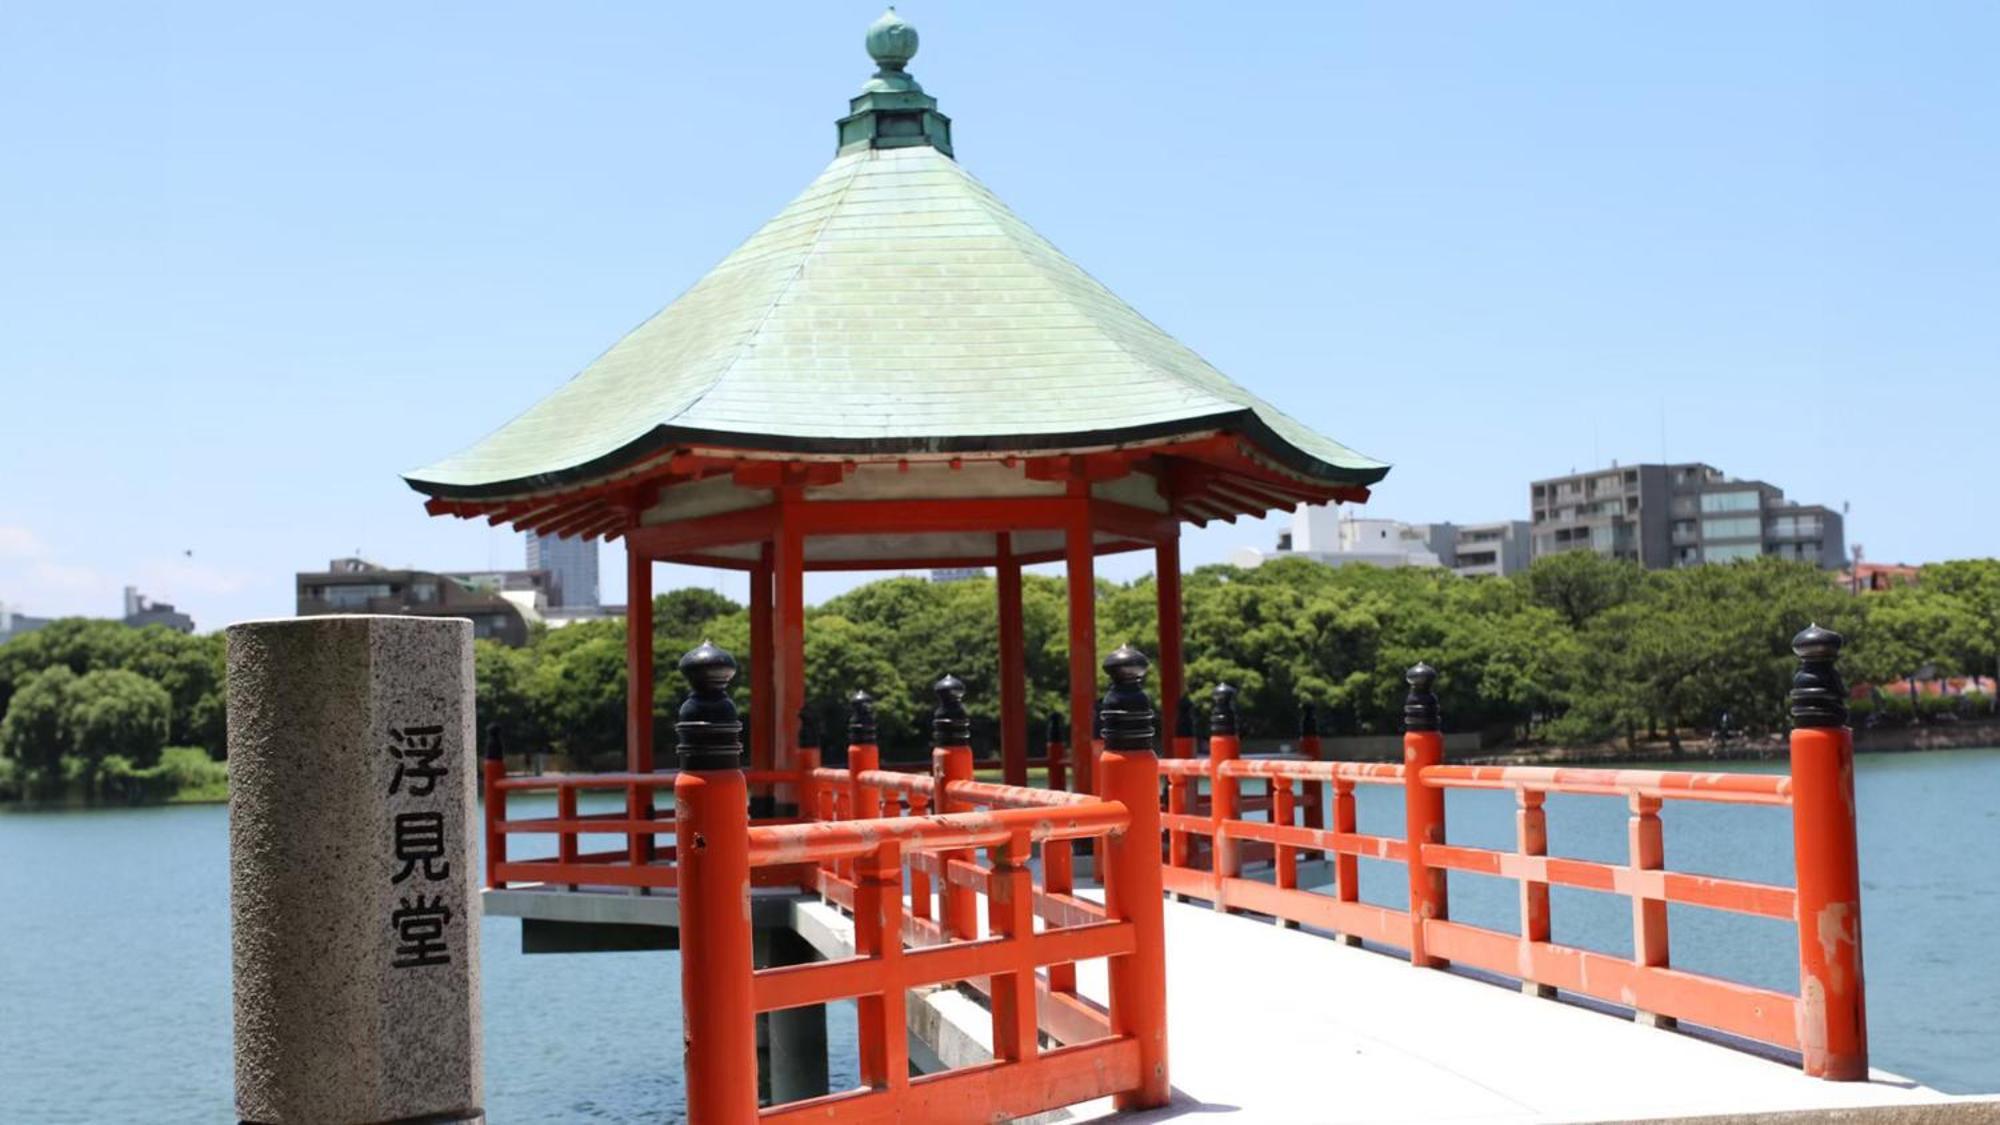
1578, 649
93, 709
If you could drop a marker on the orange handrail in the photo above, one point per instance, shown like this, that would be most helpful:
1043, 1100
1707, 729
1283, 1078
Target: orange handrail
860, 833
1825, 1022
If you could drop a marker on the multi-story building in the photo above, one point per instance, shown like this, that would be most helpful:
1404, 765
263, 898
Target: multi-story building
1496, 548
359, 586
13, 623
1321, 533
1662, 516
573, 562
140, 611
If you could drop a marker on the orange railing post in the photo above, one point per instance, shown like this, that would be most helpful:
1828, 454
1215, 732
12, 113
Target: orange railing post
493, 770
951, 761
1314, 792
1531, 838
1058, 750
863, 755
712, 835
881, 1022
1647, 851
1224, 859
1423, 809
1346, 865
1833, 1019
1129, 772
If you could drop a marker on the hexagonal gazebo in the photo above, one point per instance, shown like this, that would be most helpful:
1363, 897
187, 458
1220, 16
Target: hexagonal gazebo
895, 372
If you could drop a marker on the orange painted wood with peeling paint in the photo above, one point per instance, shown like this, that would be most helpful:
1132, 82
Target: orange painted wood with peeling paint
1833, 1017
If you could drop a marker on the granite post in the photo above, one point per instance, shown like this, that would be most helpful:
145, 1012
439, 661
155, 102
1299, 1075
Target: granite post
354, 929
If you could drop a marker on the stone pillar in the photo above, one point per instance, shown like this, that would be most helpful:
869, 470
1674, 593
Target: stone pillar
355, 934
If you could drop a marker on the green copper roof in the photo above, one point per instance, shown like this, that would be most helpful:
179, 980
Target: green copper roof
895, 307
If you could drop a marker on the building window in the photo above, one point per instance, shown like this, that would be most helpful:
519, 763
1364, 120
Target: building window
1732, 551
1796, 527
1729, 501
1735, 527
351, 597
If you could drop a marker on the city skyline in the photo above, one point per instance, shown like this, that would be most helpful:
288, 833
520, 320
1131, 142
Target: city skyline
1692, 263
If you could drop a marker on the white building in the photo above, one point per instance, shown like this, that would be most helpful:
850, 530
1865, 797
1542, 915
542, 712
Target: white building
1325, 534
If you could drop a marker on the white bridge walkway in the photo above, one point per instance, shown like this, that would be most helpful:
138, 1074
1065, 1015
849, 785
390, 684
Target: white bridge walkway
1274, 1025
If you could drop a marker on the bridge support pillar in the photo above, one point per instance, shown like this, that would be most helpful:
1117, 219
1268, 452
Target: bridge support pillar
791, 1042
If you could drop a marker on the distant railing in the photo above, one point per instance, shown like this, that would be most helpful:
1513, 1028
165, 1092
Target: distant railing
864, 833
1824, 1022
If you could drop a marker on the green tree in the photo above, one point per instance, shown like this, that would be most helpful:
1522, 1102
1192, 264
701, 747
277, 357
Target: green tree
1976, 585
115, 713
578, 689
505, 699
1911, 629
35, 733
1579, 585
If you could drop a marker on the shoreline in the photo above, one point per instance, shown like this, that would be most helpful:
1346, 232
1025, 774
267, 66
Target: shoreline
1975, 735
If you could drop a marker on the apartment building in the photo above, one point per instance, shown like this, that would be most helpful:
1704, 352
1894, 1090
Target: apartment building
1669, 515
354, 585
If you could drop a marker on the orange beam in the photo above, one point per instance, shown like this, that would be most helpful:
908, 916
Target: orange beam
747, 525
871, 517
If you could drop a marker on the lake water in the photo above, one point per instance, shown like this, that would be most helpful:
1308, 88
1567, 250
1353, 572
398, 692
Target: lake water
114, 950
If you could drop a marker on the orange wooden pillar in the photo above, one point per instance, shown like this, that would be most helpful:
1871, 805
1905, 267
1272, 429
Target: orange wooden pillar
1423, 809
951, 761
1167, 593
638, 661
1833, 1014
1079, 553
788, 624
638, 694
764, 720
1013, 665
712, 830
1133, 882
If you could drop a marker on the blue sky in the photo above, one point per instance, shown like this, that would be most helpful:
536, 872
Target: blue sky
260, 258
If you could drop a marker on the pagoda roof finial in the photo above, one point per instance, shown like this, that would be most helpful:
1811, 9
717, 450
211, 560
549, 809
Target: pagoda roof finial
892, 110
892, 42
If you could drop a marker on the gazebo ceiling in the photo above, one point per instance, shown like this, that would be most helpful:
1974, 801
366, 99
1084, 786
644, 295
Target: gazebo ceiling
895, 332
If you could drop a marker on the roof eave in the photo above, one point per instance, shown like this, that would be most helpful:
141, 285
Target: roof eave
1245, 422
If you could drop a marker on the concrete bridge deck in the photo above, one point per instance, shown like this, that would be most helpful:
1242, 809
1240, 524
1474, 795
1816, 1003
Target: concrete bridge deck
1282, 1025
1275, 1025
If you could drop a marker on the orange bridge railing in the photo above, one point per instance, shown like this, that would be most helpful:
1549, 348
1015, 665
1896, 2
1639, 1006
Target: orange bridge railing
1825, 1021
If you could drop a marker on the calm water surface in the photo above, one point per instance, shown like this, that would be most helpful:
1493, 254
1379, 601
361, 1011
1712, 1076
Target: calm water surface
114, 950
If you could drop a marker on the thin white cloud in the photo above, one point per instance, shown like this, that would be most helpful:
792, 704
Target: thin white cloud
18, 543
